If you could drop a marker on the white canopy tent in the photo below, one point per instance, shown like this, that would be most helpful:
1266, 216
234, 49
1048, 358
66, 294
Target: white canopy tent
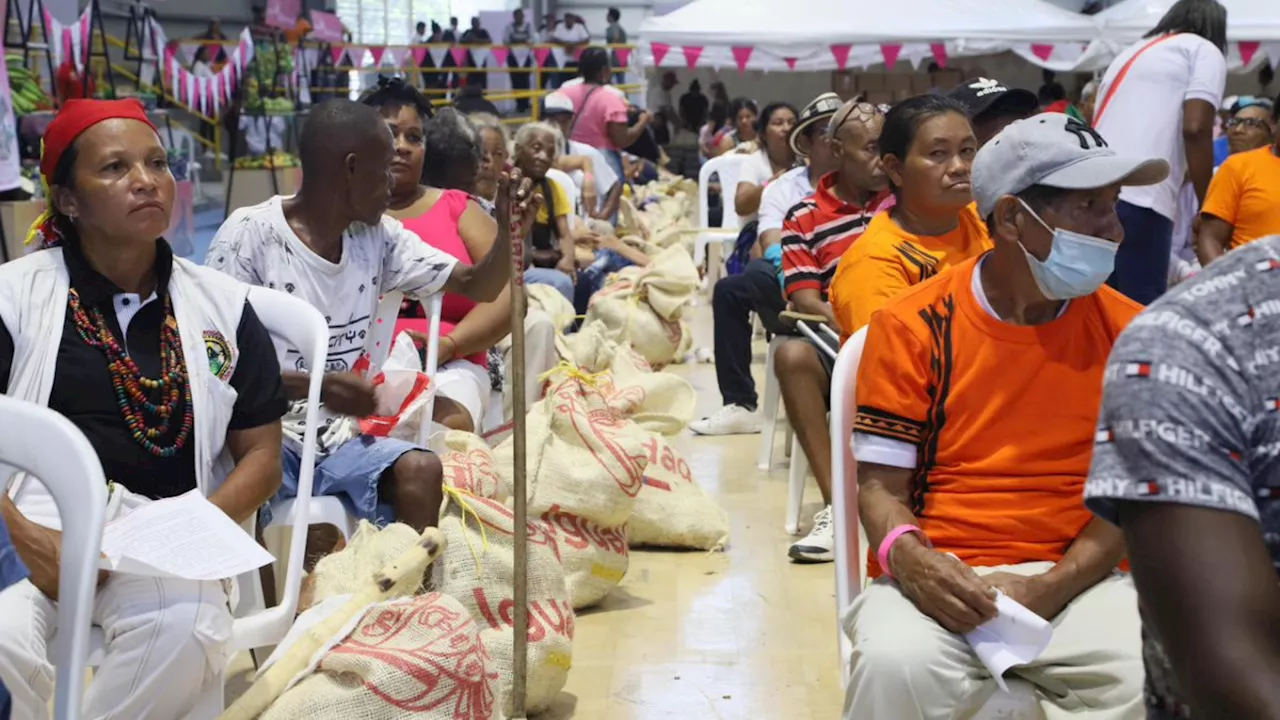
825, 34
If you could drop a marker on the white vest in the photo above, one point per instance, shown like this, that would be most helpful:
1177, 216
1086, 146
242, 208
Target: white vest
208, 305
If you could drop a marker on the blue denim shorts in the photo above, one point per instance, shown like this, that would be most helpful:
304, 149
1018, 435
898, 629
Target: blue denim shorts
351, 473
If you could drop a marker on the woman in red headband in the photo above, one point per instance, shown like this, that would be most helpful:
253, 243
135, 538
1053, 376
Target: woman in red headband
163, 366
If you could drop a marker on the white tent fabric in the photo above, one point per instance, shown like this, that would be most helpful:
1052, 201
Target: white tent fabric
1247, 20
794, 28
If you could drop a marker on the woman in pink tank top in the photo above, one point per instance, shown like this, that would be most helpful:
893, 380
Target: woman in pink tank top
447, 147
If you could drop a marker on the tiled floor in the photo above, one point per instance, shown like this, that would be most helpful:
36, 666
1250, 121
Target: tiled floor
726, 636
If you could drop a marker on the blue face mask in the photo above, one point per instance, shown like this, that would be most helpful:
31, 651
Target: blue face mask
1077, 265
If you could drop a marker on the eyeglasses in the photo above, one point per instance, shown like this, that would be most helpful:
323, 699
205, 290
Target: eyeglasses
1248, 123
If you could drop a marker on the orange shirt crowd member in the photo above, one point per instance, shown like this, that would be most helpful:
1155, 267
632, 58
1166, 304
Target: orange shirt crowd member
927, 148
978, 395
1241, 205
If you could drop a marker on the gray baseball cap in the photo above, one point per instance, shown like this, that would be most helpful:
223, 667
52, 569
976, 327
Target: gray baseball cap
1058, 151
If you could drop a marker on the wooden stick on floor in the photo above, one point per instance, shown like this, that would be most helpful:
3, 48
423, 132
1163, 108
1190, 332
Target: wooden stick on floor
520, 590
412, 562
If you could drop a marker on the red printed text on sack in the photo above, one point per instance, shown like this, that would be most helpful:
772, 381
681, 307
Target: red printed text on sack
546, 616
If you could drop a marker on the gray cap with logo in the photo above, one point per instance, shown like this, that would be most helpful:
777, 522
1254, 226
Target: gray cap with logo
1058, 151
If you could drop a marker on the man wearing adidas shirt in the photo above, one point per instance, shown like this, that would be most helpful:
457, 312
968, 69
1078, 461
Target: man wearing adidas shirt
1187, 462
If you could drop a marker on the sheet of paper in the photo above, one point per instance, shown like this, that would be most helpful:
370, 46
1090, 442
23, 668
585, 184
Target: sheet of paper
181, 537
1016, 636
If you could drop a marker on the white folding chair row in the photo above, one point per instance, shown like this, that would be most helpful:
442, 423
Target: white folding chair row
1020, 702
73, 476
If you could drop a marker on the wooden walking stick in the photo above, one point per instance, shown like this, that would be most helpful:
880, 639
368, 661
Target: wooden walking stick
514, 218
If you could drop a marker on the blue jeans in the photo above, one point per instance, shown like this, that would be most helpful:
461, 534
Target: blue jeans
352, 472
552, 277
591, 278
1142, 263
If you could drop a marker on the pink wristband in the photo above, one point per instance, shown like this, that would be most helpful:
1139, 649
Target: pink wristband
887, 544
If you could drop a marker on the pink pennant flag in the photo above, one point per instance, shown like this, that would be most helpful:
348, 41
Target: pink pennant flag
624, 56
890, 51
419, 54
691, 55
939, 51
377, 51
577, 53
459, 55
1042, 51
660, 51
791, 63
841, 54
500, 54
337, 51
1248, 50
741, 56
540, 54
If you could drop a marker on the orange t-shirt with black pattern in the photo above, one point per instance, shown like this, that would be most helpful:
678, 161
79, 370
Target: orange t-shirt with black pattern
1001, 416
887, 260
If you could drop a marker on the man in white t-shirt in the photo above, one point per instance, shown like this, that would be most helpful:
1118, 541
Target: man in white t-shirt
558, 109
332, 246
570, 33
1159, 98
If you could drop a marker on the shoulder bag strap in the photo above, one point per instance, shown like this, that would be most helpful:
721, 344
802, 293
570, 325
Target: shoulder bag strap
1115, 84
577, 113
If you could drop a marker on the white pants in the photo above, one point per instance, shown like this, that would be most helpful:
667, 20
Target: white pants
165, 640
906, 666
539, 356
467, 384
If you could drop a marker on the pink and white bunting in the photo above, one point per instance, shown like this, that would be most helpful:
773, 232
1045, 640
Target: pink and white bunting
691, 55
742, 56
890, 52
459, 55
376, 52
500, 54
70, 41
206, 95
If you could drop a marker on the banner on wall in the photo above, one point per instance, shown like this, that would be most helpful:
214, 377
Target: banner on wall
10, 158
325, 27
283, 14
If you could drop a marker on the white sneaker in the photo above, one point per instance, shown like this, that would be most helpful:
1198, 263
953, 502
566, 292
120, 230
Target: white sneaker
819, 546
728, 420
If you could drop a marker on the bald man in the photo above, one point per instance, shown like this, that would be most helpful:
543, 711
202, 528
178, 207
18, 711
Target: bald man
331, 245
815, 235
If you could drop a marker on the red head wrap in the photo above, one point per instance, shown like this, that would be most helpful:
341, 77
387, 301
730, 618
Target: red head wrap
72, 120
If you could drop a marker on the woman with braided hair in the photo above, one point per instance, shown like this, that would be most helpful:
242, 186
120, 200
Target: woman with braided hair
167, 371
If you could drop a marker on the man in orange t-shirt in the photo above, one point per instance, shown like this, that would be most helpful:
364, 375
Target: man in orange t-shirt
1241, 205
978, 393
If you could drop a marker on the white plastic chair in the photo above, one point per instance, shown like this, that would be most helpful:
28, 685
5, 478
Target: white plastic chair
73, 476
769, 410
710, 241
799, 469
570, 189
328, 510
1020, 702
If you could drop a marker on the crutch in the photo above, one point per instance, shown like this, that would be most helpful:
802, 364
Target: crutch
803, 321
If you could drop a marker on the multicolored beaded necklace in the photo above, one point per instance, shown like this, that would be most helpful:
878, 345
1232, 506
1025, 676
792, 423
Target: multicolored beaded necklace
148, 405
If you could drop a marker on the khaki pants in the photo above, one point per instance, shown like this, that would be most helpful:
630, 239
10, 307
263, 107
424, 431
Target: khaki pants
906, 666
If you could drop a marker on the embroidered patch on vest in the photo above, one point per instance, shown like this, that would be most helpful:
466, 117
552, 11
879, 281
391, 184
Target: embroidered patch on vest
221, 361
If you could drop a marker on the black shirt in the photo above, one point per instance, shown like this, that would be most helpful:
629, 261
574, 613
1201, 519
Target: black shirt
82, 384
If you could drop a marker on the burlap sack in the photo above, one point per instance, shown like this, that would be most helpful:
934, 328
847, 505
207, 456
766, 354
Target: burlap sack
371, 548
585, 463
416, 657
549, 300
672, 510
582, 457
479, 571
641, 307
469, 465
658, 402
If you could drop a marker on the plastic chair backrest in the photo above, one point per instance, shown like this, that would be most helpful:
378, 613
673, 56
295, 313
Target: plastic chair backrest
73, 476
729, 168
844, 483
295, 323
382, 337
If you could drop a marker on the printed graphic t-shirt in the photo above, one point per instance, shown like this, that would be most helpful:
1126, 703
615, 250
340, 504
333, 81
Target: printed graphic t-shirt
1244, 193
947, 389
1189, 414
887, 260
257, 246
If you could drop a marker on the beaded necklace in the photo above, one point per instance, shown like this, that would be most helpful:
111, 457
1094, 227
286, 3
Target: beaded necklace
147, 405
